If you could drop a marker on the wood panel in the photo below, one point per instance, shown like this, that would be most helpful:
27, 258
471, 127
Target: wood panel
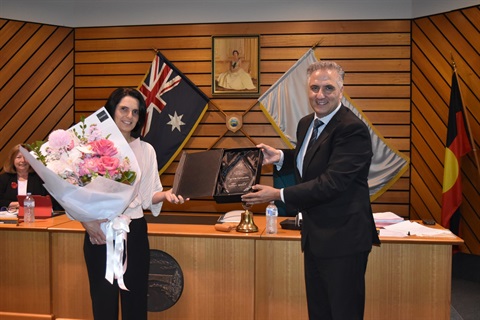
26, 255
36, 82
375, 56
226, 275
264, 28
281, 291
68, 266
407, 298
399, 281
205, 262
212, 264
436, 40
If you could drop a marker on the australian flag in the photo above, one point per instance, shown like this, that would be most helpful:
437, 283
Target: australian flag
175, 107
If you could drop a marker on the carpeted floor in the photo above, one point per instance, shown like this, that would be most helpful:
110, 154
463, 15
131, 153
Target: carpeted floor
465, 287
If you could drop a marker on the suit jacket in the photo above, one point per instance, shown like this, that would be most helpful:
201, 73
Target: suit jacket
332, 193
9, 194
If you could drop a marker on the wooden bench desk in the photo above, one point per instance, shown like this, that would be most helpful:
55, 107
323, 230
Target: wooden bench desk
227, 275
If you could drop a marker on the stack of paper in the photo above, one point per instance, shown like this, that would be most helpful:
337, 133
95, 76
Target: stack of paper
231, 216
411, 228
383, 219
6, 217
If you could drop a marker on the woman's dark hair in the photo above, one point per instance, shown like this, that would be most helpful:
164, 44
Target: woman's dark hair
115, 98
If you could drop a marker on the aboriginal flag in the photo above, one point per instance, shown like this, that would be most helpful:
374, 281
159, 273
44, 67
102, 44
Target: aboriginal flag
457, 145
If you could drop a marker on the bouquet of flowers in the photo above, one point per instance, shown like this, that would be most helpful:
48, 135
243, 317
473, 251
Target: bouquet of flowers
80, 157
92, 172
89, 169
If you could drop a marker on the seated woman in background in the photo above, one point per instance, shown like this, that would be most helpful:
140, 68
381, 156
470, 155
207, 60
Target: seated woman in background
235, 78
18, 178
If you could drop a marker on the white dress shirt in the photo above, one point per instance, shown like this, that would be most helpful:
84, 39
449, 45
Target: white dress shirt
303, 149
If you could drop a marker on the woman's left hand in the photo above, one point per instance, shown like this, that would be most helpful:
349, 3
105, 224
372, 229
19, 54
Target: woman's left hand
94, 230
173, 198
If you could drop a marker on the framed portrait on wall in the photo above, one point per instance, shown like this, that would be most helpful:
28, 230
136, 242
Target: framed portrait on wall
236, 65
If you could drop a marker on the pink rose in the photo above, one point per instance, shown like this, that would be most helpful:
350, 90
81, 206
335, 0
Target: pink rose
108, 164
104, 147
89, 165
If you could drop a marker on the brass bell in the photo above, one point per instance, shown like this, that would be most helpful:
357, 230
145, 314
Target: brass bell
246, 222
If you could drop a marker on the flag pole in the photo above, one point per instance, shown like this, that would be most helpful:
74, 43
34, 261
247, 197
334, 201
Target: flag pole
317, 44
472, 141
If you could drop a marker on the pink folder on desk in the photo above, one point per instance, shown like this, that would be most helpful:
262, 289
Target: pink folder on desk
43, 206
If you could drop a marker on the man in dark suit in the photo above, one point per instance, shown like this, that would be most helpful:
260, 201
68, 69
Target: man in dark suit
331, 164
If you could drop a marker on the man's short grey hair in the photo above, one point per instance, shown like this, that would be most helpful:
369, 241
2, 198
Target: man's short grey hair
327, 65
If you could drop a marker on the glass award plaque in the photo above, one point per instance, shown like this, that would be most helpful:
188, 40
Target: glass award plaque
239, 178
238, 172
225, 174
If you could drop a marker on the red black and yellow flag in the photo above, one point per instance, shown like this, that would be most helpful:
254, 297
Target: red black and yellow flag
457, 145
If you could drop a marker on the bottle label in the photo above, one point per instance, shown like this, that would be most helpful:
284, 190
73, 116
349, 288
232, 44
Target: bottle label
271, 211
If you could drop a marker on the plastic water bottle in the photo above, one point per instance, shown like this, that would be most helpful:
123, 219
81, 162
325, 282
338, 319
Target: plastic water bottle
29, 207
271, 214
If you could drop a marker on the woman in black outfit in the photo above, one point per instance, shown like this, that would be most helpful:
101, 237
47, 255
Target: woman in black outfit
18, 178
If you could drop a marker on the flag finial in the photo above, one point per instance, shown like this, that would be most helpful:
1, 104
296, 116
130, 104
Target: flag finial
454, 66
317, 43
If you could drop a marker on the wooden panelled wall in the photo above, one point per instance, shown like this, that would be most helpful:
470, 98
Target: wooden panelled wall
436, 40
50, 76
375, 55
36, 82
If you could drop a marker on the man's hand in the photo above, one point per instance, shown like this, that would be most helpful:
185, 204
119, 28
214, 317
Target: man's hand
261, 194
270, 154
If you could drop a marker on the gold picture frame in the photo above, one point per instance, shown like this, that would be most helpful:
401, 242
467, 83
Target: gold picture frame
236, 65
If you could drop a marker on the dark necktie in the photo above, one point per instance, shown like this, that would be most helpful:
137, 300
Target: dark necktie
316, 124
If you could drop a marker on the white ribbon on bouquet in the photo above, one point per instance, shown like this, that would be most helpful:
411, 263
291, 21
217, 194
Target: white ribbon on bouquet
117, 230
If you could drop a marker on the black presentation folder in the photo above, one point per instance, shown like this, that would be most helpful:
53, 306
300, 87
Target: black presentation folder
290, 224
225, 174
